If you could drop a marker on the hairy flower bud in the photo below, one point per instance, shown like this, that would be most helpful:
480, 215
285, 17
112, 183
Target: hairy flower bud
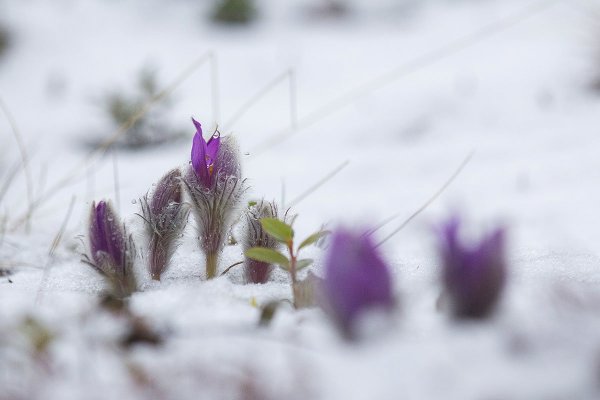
111, 251
255, 236
473, 276
165, 217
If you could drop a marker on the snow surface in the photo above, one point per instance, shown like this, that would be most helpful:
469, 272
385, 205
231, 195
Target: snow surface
520, 99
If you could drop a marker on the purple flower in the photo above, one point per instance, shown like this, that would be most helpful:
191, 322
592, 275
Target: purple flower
356, 279
215, 187
255, 236
214, 160
112, 252
204, 155
473, 276
167, 196
165, 217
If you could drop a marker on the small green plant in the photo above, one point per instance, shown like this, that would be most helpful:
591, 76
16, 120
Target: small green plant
292, 263
38, 334
234, 11
4, 40
151, 129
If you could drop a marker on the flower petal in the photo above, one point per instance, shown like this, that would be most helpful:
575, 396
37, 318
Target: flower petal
167, 192
212, 148
106, 236
199, 155
97, 233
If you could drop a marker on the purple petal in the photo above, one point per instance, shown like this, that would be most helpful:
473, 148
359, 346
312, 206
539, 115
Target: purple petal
167, 192
97, 233
106, 236
199, 155
115, 238
198, 126
212, 148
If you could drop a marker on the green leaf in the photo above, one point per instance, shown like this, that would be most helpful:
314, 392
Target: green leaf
313, 238
267, 312
268, 255
252, 203
301, 264
278, 229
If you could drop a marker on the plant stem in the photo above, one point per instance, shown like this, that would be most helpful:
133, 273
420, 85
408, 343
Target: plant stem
211, 265
157, 259
293, 258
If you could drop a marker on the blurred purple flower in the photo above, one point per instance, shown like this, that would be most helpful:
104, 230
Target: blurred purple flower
473, 276
215, 186
165, 217
112, 252
356, 279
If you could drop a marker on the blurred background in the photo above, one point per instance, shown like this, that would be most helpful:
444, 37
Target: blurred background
389, 96
401, 89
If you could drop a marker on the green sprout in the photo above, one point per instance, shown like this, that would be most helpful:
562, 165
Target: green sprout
123, 110
234, 11
4, 40
292, 263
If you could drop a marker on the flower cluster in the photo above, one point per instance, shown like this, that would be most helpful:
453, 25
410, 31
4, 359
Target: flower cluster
357, 280
214, 186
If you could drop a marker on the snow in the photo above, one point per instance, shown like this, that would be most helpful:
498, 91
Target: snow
519, 99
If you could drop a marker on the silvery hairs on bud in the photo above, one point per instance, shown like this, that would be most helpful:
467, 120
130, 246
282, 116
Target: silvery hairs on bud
214, 201
111, 249
255, 236
165, 217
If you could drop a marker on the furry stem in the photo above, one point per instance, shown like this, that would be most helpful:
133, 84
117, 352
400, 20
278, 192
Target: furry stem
211, 265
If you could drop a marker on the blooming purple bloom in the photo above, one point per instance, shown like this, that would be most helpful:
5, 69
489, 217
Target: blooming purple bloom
473, 276
215, 187
204, 155
356, 279
112, 252
165, 217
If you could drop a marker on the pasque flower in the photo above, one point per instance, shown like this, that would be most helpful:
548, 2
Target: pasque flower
214, 184
255, 236
204, 156
165, 217
112, 251
473, 275
356, 279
